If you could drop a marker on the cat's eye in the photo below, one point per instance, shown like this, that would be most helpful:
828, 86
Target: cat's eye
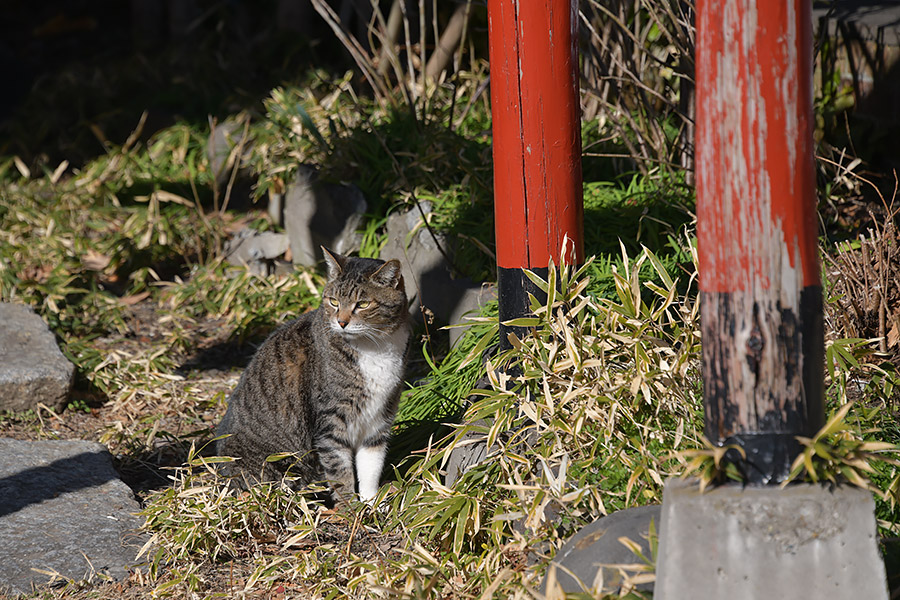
363, 304
333, 302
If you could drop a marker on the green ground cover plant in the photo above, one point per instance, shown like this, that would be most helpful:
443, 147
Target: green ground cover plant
120, 258
131, 280
591, 413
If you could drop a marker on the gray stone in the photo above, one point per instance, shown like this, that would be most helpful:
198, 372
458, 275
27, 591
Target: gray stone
225, 146
258, 251
471, 450
870, 20
857, 31
32, 368
472, 300
418, 252
321, 214
430, 285
596, 547
802, 541
63, 509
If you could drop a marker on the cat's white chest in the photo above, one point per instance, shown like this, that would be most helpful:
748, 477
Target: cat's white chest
381, 366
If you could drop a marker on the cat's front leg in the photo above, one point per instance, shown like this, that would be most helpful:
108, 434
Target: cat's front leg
369, 463
337, 466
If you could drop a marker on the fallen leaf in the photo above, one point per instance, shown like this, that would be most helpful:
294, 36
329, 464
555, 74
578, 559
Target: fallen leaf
95, 261
59, 171
134, 298
24, 170
164, 196
38, 273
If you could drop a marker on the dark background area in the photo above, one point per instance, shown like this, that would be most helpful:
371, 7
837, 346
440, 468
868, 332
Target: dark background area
79, 73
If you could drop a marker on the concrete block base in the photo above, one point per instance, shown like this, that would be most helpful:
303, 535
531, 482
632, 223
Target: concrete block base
735, 542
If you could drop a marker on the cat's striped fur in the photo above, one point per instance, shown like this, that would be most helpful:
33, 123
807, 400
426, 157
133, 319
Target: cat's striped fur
326, 385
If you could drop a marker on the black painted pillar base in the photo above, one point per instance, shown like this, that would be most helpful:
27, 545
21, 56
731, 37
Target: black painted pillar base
763, 380
513, 287
768, 456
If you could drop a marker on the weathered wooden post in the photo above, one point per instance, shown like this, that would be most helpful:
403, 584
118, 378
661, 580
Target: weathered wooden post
538, 196
761, 315
761, 294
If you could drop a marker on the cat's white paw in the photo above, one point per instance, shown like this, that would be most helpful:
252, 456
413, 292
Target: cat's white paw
377, 503
369, 462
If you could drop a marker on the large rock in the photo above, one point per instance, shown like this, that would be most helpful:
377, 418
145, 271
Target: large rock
472, 299
431, 285
736, 542
596, 550
321, 214
32, 368
225, 146
259, 251
63, 509
426, 272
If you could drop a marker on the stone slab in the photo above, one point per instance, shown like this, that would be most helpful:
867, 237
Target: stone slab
318, 213
864, 52
470, 451
872, 20
63, 509
597, 547
745, 543
259, 252
471, 301
249, 245
32, 368
421, 258
435, 295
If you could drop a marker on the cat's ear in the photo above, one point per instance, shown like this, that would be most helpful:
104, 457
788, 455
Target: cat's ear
390, 274
334, 263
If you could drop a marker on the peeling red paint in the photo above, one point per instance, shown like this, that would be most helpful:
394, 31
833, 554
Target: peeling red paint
538, 196
761, 297
755, 172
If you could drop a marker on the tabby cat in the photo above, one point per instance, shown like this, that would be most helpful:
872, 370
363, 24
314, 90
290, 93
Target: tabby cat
326, 385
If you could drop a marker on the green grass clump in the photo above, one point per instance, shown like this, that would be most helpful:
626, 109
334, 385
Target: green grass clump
398, 160
250, 305
589, 414
585, 423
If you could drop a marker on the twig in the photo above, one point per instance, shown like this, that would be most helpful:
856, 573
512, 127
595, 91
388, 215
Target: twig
237, 154
360, 56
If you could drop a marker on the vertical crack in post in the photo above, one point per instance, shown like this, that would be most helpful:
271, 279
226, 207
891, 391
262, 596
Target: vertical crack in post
522, 138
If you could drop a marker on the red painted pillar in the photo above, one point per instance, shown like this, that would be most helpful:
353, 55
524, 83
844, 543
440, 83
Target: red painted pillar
538, 197
761, 295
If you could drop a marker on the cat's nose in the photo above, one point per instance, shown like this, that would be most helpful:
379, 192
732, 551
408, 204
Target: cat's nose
342, 323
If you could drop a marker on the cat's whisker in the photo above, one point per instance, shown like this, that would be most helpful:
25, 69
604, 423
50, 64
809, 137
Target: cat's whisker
377, 340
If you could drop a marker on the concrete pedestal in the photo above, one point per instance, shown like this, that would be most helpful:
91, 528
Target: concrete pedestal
735, 542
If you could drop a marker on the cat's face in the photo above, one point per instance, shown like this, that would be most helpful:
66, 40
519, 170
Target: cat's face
364, 297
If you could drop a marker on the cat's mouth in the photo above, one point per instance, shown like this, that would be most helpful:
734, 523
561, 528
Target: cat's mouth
361, 334
352, 330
